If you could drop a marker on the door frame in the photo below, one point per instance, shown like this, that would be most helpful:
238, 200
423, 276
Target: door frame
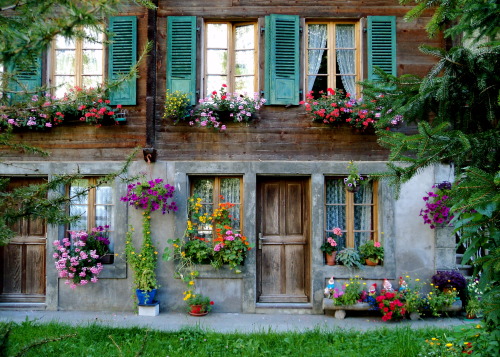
305, 180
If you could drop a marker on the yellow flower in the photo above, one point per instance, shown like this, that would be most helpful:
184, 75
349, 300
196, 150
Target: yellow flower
434, 339
187, 297
132, 253
478, 326
176, 246
156, 252
191, 282
346, 285
407, 276
417, 279
449, 344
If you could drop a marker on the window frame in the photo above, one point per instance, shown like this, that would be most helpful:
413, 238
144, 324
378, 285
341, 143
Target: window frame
92, 205
78, 67
349, 204
231, 58
331, 47
216, 200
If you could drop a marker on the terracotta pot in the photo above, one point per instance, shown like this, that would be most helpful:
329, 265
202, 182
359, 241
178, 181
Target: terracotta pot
371, 262
197, 310
330, 258
470, 316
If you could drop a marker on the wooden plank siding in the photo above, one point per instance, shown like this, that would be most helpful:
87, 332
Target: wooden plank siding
278, 134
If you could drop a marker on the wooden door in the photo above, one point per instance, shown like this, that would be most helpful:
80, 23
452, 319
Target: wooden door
283, 229
22, 267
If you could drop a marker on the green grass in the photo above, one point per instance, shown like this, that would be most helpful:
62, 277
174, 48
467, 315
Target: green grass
101, 341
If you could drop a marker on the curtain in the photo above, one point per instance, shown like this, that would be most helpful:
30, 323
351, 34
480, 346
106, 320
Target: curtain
317, 40
335, 209
344, 39
363, 214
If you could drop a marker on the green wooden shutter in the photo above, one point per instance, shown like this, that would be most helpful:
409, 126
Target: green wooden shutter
282, 81
122, 53
28, 78
381, 45
181, 55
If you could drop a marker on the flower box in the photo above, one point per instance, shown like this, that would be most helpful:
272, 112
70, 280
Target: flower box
340, 310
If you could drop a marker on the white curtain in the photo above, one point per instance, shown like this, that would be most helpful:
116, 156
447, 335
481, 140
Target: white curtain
363, 214
317, 39
344, 39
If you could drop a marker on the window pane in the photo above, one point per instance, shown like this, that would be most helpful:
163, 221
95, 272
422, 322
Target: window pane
92, 62
318, 62
245, 63
81, 223
365, 194
214, 83
103, 215
245, 85
91, 81
245, 37
344, 36
96, 36
216, 36
335, 217
361, 238
317, 84
346, 63
363, 218
317, 36
62, 42
217, 61
104, 195
230, 191
335, 191
65, 62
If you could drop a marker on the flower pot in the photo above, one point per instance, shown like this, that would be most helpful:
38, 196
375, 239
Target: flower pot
414, 316
353, 188
330, 258
470, 316
107, 259
197, 310
145, 297
371, 262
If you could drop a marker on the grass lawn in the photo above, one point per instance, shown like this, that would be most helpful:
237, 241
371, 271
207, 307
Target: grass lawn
94, 340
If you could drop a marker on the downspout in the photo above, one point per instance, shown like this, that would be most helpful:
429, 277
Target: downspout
149, 151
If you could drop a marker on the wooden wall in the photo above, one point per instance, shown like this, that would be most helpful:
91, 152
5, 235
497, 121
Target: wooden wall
279, 134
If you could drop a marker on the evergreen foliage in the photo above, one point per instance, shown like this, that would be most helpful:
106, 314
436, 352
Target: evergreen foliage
455, 108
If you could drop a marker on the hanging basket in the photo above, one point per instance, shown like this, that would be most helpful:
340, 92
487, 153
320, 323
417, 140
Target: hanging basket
353, 188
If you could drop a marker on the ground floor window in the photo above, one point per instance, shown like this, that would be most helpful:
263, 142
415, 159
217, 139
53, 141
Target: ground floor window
93, 206
353, 212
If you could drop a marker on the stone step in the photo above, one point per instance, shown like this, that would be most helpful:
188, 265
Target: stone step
23, 306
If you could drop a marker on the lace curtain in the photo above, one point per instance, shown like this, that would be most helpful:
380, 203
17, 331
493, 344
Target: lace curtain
336, 211
344, 39
317, 39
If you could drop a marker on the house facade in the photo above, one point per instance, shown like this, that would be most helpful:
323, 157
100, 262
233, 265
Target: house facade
282, 171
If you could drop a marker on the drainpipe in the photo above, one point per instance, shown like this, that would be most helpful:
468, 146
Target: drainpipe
149, 151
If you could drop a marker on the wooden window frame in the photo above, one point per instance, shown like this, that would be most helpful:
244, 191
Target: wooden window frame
91, 202
349, 207
216, 199
331, 47
231, 58
78, 68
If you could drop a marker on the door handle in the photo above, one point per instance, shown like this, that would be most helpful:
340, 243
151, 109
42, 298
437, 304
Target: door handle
260, 240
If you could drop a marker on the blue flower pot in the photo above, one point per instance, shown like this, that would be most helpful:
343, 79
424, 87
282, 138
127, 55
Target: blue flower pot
146, 297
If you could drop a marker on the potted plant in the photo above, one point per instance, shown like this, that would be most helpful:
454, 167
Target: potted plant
75, 262
198, 304
177, 106
371, 252
150, 196
329, 247
222, 106
449, 280
349, 257
354, 180
98, 240
437, 211
391, 306
349, 294
474, 296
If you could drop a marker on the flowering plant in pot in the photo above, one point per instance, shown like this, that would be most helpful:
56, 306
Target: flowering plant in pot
436, 211
372, 251
450, 279
76, 263
177, 106
329, 247
354, 180
349, 294
198, 304
221, 106
150, 196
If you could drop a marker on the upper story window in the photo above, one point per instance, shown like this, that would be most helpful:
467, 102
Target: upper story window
231, 57
78, 62
332, 56
354, 212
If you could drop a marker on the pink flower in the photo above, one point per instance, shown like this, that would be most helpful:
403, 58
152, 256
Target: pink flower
337, 231
376, 244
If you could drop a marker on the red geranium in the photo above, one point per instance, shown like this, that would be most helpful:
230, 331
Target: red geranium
390, 305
